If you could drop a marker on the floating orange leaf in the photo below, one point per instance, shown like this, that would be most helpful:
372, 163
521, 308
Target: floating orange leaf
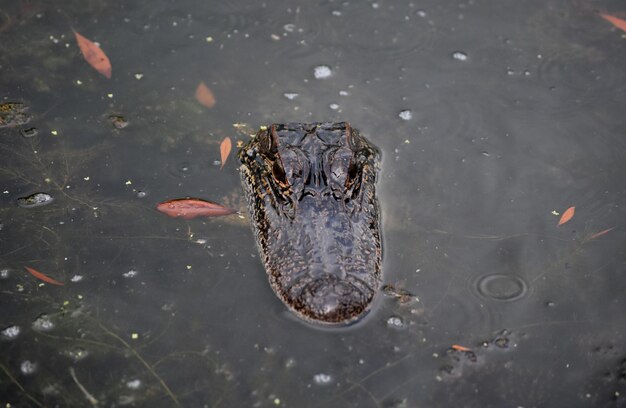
188, 208
94, 55
225, 147
460, 348
599, 234
567, 215
204, 95
43, 277
617, 22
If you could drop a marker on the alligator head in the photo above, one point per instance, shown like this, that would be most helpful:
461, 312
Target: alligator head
311, 197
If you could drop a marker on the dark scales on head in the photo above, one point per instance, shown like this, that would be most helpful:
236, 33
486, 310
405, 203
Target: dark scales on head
311, 197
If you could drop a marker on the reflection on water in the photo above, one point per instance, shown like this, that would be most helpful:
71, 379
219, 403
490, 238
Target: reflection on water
492, 120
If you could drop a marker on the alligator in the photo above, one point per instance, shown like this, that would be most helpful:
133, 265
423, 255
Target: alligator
310, 190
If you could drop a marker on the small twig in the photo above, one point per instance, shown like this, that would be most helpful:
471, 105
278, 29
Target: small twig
144, 362
14, 381
90, 398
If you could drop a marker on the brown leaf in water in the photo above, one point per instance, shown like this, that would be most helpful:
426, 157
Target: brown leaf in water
599, 234
188, 208
225, 147
94, 55
617, 22
205, 96
43, 277
567, 215
460, 348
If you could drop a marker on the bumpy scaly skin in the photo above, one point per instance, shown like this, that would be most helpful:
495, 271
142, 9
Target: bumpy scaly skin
311, 196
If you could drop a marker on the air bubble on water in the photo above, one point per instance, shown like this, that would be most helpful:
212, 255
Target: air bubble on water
130, 274
133, 384
344, 93
405, 114
322, 379
336, 13
27, 367
289, 27
322, 72
486, 154
459, 56
550, 304
291, 95
421, 13
201, 241
141, 194
4, 273
43, 323
375, 5
76, 278
333, 106
395, 322
10, 332
217, 162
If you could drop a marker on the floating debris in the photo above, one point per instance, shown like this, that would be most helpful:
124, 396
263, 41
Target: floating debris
189, 208
395, 322
322, 72
35, 200
291, 95
13, 114
118, 121
77, 354
43, 323
130, 274
28, 367
30, 132
405, 114
460, 56
402, 295
322, 379
10, 332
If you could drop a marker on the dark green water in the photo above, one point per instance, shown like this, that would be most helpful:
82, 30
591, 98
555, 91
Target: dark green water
492, 118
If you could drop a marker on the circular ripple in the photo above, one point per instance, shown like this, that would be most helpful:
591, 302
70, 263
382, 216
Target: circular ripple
445, 116
183, 169
506, 288
297, 38
390, 38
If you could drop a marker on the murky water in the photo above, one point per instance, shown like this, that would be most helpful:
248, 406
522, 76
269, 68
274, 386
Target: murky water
492, 119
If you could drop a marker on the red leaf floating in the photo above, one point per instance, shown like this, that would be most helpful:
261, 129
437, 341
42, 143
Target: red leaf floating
460, 348
43, 277
225, 147
204, 95
599, 234
567, 215
617, 22
94, 55
188, 208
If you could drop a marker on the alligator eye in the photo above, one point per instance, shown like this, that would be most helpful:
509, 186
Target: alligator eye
279, 173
